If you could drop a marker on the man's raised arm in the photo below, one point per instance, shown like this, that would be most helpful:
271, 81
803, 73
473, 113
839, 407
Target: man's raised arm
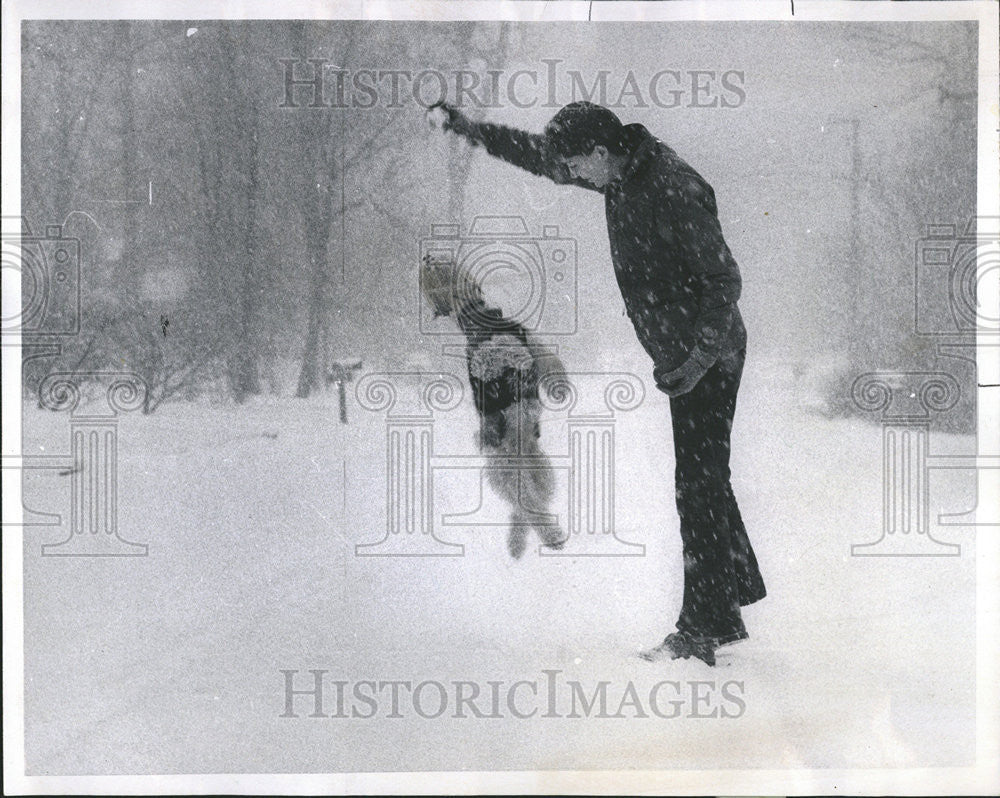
517, 147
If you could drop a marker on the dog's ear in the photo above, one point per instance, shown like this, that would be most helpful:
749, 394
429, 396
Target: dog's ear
436, 282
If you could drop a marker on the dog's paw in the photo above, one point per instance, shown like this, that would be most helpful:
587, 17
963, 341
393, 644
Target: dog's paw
553, 538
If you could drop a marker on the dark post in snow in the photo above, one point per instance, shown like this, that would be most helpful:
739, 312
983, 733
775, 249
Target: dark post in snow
342, 374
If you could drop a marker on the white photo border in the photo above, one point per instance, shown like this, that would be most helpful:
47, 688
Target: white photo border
983, 778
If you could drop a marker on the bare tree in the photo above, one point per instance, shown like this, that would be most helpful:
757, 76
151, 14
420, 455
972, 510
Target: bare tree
170, 354
485, 52
242, 362
318, 175
327, 149
51, 164
898, 185
226, 127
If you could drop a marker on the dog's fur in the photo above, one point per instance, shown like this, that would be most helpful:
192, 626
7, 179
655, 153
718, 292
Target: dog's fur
506, 366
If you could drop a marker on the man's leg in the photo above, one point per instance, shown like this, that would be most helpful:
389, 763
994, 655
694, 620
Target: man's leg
720, 568
749, 582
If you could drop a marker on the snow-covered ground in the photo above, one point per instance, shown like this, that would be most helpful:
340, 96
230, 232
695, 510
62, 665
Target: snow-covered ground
172, 662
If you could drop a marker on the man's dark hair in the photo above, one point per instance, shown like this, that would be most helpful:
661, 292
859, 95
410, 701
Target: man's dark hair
581, 126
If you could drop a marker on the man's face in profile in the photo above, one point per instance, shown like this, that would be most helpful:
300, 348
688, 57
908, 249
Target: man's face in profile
594, 168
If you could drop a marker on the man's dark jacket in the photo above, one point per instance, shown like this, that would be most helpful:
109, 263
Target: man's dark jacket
679, 280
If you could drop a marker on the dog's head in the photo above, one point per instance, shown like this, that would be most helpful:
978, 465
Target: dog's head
447, 286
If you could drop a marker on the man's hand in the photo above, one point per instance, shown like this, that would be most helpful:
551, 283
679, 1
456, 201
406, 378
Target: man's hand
447, 117
682, 379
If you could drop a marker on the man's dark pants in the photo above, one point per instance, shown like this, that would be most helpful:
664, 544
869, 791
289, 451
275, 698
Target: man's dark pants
720, 568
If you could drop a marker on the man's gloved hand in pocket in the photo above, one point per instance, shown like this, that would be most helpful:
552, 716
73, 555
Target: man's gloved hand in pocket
681, 380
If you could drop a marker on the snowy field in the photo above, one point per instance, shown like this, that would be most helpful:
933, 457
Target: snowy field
172, 662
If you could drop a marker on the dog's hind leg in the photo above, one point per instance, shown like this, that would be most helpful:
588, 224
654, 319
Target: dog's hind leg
506, 483
537, 489
517, 536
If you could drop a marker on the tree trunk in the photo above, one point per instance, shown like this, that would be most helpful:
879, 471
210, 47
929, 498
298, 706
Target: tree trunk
129, 172
319, 166
317, 216
309, 374
244, 371
140, 340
